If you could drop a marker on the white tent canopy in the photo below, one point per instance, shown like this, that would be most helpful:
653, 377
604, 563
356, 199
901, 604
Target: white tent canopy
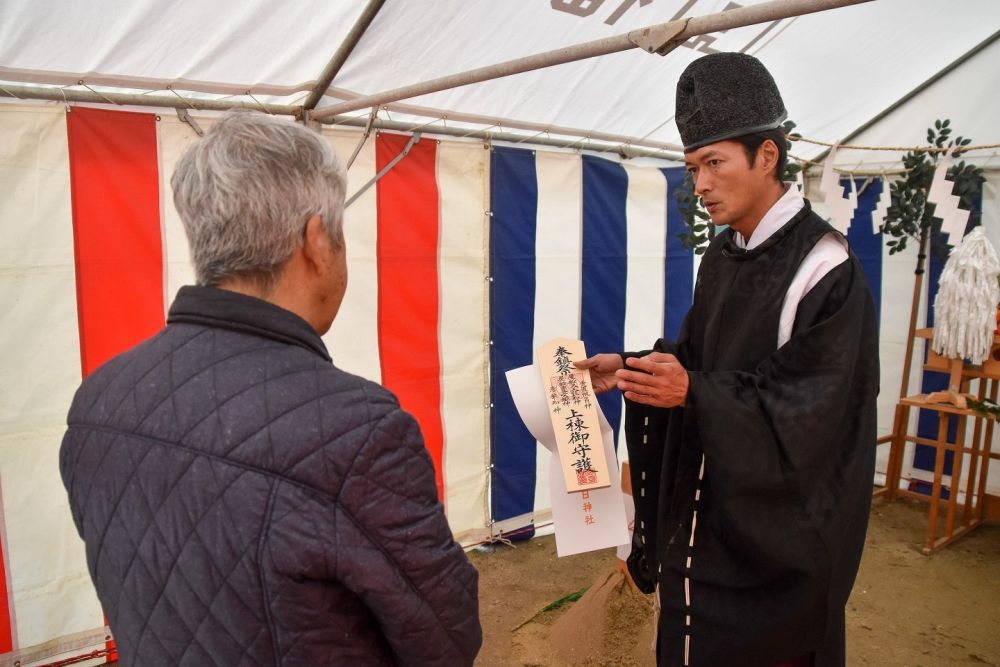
838, 69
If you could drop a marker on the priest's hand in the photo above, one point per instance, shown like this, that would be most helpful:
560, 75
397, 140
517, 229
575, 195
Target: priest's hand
658, 380
602, 371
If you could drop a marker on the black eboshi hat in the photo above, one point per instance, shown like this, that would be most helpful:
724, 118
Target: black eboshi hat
726, 95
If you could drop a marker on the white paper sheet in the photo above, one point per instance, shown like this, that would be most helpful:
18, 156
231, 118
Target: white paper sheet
606, 506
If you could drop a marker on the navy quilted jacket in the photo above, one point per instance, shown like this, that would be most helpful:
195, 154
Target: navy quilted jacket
245, 502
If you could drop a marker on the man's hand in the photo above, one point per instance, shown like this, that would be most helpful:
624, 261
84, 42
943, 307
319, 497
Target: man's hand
659, 380
602, 371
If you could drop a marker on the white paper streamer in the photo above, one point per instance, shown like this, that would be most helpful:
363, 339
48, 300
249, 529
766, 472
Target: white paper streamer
882, 207
841, 209
852, 198
953, 218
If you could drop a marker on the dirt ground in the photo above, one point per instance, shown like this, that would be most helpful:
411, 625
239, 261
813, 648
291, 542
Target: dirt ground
906, 608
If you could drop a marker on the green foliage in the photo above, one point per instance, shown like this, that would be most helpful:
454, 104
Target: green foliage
564, 600
700, 230
910, 214
552, 606
986, 408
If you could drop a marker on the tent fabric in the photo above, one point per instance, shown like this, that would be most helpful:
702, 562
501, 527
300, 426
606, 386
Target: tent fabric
49, 593
408, 304
376, 332
276, 53
50, 602
113, 174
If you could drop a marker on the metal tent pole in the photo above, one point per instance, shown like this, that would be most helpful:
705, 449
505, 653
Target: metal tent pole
629, 150
345, 50
138, 99
626, 150
660, 38
540, 128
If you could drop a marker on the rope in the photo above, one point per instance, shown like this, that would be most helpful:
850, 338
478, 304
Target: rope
504, 538
863, 171
262, 107
417, 128
534, 136
915, 149
182, 99
102, 653
486, 129
96, 92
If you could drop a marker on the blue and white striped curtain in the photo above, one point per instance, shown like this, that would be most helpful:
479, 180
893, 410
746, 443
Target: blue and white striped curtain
581, 247
586, 247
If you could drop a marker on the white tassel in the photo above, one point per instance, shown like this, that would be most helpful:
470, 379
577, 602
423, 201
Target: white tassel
967, 298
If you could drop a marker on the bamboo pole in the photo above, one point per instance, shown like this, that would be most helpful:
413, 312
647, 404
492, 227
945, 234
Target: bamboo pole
918, 282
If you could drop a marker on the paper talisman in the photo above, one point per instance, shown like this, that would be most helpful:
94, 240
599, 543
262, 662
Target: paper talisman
572, 408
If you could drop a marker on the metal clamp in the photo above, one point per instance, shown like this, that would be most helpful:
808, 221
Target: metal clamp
661, 39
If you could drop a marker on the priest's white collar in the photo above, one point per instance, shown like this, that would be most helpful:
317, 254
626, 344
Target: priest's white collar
781, 212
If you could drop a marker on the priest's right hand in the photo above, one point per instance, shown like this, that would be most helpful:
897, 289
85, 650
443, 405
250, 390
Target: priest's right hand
602, 369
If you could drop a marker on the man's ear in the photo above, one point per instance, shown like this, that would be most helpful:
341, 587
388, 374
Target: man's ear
767, 157
315, 244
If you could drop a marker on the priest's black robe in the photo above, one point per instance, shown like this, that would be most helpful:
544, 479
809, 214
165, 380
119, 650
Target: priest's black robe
752, 500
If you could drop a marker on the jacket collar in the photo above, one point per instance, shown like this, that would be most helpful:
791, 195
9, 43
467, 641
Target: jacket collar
222, 309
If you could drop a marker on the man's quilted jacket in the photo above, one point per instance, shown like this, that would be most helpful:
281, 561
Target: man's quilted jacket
245, 502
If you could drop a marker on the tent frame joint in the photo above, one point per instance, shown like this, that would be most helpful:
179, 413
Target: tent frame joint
660, 39
185, 117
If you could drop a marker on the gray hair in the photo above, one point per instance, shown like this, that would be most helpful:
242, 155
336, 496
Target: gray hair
245, 191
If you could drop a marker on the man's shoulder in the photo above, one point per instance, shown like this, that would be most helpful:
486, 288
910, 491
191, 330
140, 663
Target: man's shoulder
376, 399
210, 390
812, 223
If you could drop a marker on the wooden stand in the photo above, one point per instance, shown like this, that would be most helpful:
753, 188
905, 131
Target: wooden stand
950, 407
954, 394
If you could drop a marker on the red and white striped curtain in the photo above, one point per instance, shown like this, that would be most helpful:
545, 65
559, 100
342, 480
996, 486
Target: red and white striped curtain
91, 255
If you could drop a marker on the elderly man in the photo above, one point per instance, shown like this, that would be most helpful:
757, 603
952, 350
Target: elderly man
752, 437
242, 500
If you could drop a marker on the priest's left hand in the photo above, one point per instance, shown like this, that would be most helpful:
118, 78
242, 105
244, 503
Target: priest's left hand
658, 380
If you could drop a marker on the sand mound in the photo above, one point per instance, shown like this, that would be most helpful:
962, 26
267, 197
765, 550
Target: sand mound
610, 619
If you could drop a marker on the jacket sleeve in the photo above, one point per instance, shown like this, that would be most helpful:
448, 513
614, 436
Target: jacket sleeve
645, 434
415, 579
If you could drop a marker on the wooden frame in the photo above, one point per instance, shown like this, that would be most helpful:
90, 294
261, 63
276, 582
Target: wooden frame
978, 449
